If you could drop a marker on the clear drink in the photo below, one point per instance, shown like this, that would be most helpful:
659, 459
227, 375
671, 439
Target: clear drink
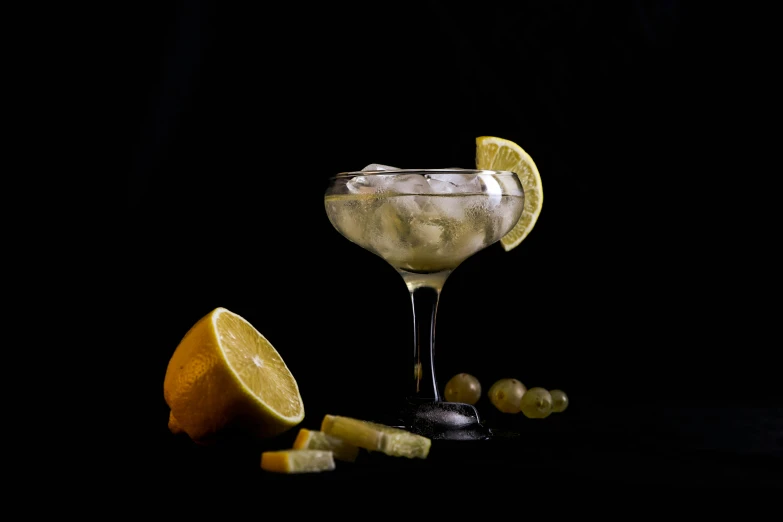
423, 233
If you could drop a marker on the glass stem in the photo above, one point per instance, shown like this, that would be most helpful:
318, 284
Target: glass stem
425, 293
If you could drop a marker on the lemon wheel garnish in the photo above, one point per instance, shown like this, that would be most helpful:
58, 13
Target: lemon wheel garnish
494, 153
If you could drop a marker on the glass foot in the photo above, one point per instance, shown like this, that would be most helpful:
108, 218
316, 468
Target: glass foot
443, 421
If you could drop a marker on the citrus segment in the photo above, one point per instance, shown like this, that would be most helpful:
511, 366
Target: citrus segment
225, 373
342, 450
297, 461
371, 436
500, 154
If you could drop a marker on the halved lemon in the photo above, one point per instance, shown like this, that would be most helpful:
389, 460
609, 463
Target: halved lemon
224, 373
500, 154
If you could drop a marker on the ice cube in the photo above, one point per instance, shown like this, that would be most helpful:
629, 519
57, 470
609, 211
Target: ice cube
441, 187
454, 183
409, 184
378, 166
425, 233
493, 189
368, 184
445, 208
388, 225
468, 245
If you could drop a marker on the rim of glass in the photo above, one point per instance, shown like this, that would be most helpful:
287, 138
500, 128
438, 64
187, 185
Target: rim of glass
396, 172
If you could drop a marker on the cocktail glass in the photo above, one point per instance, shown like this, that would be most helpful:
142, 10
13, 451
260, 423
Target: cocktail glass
424, 223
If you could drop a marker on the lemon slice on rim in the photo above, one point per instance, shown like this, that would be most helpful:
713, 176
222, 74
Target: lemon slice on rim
494, 153
223, 374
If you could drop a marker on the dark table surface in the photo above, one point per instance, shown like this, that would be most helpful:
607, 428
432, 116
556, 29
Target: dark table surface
590, 444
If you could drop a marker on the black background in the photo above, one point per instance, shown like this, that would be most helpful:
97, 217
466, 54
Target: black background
640, 292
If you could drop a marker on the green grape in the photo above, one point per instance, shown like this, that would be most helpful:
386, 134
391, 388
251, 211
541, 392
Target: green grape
536, 403
463, 387
559, 400
505, 395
